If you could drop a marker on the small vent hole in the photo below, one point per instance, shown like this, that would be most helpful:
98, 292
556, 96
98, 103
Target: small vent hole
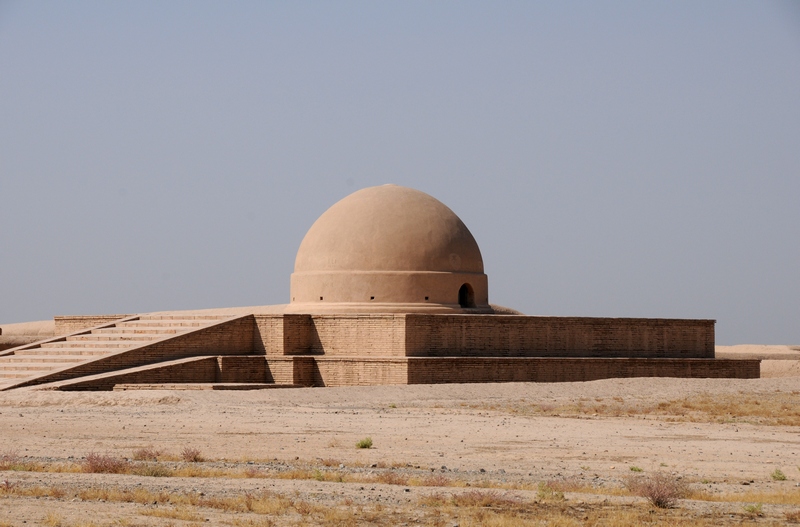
426, 298
372, 298
320, 298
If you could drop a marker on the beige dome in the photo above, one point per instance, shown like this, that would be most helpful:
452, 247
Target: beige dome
389, 249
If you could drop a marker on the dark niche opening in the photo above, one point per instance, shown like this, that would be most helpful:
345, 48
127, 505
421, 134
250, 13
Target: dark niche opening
466, 296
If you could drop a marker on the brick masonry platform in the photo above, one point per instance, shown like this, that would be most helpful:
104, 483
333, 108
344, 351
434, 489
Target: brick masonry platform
218, 348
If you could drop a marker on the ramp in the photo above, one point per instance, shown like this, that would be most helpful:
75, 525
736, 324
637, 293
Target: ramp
125, 343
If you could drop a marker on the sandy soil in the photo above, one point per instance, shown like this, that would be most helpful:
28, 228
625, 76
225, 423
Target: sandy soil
471, 434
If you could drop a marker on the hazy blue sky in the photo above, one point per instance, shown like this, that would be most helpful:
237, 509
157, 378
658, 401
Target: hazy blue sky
611, 158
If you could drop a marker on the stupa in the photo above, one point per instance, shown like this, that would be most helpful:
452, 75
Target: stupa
388, 288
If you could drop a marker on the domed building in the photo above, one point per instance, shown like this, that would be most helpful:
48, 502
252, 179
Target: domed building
389, 249
388, 288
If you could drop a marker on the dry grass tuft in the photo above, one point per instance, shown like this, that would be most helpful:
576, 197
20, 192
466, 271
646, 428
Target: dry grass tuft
95, 463
11, 460
35, 491
254, 472
437, 480
191, 455
793, 516
53, 519
305, 508
660, 488
390, 478
142, 496
569, 484
153, 470
546, 492
198, 471
179, 513
147, 454
252, 522
774, 409
754, 510
472, 498
7, 487
774, 497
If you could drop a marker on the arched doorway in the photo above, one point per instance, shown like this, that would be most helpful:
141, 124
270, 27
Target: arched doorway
466, 296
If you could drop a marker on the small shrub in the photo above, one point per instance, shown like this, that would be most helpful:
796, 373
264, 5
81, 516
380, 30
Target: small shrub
253, 472
365, 443
198, 471
437, 480
636, 469
662, 490
191, 455
153, 470
57, 492
473, 498
9, 459
565, 484
178, 513
7, 487
793, 516
754, 509
392, 478
304, 508
546, 492
778, 475
147, 454
95, 463
53, 519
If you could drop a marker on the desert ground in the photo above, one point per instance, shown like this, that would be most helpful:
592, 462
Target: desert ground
559, 454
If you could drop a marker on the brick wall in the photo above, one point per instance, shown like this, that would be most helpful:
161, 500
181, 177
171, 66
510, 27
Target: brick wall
192, 370
280, 371
518, 336
222, 369
362, 335
466, 370
354, 371
268, 334
298, 335
239, 369
417, 335
359, 372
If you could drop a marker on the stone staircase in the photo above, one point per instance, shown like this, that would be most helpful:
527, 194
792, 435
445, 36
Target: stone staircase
26, 363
